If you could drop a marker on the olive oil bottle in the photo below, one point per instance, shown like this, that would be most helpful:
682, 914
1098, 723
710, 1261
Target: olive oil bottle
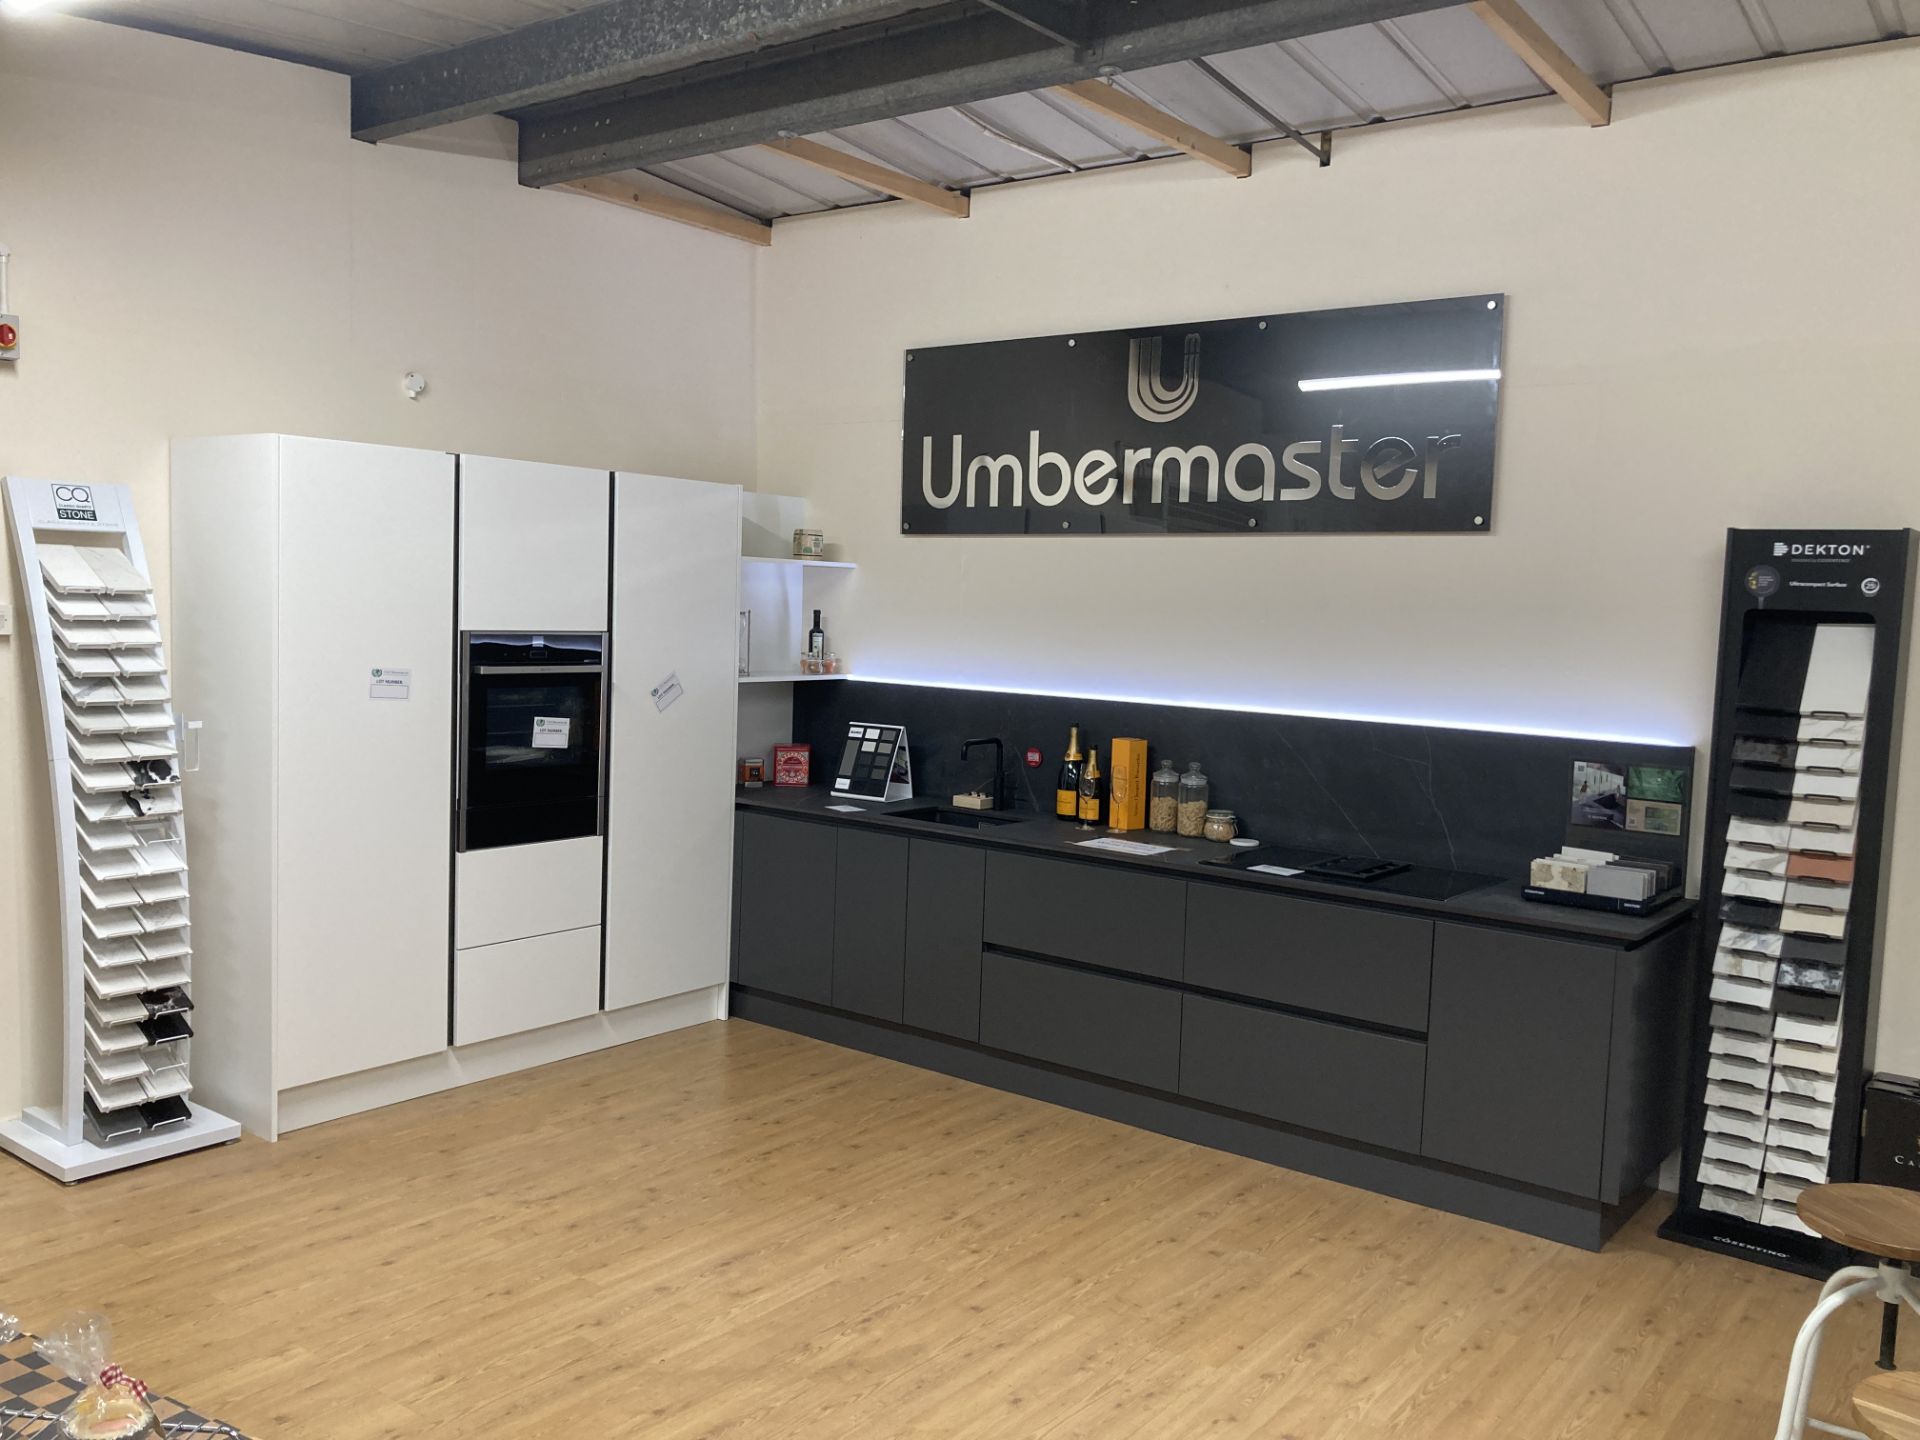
1066, 792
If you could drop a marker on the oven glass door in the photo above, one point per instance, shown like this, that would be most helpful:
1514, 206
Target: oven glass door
533, 752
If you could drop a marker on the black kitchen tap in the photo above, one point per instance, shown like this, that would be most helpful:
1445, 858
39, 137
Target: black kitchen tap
999, 765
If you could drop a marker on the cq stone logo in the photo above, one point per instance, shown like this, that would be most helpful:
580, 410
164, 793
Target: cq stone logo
74, 502
1152, 400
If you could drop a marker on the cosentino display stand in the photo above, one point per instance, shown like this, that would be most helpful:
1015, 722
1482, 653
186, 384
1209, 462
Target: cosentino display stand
1806, 731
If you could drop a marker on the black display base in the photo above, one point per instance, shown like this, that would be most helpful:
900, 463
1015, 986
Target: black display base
1568, 1219
1615, 904
1780, 1249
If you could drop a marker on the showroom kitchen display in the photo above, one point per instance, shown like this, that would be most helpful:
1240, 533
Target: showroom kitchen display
436, 719
1354, 986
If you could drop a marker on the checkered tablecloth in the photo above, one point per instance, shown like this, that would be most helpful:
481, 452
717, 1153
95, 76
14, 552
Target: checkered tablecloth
28, 1380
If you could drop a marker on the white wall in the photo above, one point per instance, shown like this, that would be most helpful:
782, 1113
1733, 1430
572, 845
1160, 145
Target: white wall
1714, 321
200, 248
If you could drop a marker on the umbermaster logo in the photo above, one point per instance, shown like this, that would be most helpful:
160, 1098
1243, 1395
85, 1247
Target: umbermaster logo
1152, 400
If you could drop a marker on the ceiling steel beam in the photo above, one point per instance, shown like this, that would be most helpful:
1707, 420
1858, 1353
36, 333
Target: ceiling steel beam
607, 44
956, 55
1065, 22
872, 176
1116, 104
1510, 21
675, 208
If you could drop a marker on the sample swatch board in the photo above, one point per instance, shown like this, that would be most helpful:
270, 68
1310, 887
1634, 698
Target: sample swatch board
1810, 687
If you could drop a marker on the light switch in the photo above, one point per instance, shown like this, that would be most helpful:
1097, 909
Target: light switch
6, 618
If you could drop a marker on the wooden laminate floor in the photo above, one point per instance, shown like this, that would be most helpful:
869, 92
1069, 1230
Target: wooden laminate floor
735, 1232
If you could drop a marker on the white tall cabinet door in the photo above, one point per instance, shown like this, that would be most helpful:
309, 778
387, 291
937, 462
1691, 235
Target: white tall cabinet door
364, 788
533, 546
676, 557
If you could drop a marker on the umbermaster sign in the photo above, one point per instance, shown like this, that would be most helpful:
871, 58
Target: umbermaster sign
1380, 419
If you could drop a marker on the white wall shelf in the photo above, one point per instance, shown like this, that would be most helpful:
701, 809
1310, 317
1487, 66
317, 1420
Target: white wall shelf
808, 564
788, 679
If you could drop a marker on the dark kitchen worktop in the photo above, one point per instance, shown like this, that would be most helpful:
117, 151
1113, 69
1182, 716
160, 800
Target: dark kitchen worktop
1441, 894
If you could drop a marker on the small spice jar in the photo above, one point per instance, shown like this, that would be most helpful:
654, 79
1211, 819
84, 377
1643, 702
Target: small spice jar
1163, 806
1219, 826
1192, 812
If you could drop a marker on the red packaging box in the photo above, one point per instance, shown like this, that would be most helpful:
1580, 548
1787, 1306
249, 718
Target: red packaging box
792, 765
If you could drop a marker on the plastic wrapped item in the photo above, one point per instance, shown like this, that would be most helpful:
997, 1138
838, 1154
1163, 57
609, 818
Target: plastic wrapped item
113, 1406
9, 1327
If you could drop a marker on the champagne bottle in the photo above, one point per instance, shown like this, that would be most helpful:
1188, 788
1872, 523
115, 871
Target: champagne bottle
1066, 794
1092, 791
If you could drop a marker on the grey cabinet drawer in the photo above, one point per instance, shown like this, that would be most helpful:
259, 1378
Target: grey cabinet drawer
1118, 1028
1120, 919
1337, 959
945, 889
870, 923
786, 907
1517, 1056
1356, 1084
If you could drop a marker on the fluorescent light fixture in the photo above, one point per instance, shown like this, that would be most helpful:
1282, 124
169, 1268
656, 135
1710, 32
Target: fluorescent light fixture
1402, 377
1497, 727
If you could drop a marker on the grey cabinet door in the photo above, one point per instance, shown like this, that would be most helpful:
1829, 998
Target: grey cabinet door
1340, 960
870, 924
1066, 1016
946, 887
786, 907
1358, 1084
1096, 914
1517, 1053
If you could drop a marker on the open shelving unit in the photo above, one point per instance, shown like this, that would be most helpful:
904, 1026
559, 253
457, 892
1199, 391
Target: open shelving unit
120, 838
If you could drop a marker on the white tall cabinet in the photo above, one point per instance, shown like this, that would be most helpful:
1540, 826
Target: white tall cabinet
676, 587
300, 569
346, 957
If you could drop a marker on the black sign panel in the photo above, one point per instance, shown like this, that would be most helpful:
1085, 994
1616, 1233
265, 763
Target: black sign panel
1379, 418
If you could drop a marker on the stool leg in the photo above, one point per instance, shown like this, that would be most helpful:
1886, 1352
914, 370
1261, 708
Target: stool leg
1845, 1287
1889, 1332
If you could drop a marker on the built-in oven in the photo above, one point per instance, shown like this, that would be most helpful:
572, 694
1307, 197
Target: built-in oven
533, 752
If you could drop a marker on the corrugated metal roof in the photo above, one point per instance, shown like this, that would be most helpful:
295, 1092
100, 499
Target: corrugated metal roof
1423, 64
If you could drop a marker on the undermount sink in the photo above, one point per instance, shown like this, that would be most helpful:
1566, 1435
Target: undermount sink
946, 815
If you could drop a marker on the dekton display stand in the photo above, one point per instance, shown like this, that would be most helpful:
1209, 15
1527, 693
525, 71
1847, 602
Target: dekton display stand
1807, 718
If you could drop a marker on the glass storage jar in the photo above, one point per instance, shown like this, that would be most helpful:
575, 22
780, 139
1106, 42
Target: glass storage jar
1163, 808
1192, 811
1219, 826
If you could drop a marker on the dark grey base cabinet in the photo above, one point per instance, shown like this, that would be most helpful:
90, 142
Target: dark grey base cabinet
786, 883
1530, 1080
1332, 1078
870, 923
945, 888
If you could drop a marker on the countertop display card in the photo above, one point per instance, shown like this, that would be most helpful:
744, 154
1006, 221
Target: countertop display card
1377, 419
1124, 847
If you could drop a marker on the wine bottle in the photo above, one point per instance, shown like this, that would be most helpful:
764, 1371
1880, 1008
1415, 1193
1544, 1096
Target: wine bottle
817, 639
1066, 794
1092, 791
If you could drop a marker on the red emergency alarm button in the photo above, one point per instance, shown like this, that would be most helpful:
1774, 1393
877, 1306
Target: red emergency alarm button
9, 337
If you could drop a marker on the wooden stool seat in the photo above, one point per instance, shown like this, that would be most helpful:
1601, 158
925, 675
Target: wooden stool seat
1888, 1403
1876, 1220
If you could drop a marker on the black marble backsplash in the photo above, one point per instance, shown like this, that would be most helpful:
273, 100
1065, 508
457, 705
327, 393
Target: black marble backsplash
1455, 799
